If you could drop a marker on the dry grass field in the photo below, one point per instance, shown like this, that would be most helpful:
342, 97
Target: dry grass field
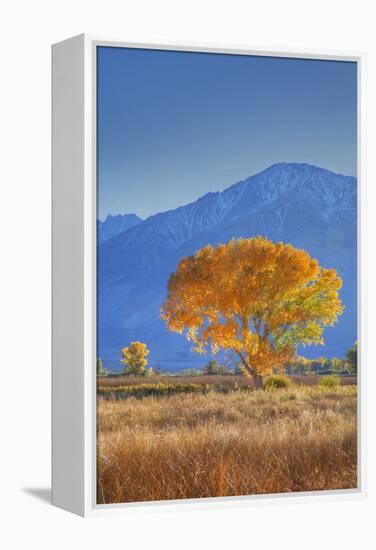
220, 444
223, 380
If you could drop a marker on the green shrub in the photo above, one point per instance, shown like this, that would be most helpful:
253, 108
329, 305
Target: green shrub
276, 381
329, 381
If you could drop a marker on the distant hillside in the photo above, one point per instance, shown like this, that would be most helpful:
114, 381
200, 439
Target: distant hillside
113, 225
307, 206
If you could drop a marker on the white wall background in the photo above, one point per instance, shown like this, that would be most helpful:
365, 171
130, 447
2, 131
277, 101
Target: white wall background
27, 30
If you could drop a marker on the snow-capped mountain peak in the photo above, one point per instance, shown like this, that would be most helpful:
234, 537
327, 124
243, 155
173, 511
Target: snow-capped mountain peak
307, 206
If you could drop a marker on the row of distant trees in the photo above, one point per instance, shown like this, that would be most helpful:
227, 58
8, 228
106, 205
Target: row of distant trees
301, 365
134, 359
324, 365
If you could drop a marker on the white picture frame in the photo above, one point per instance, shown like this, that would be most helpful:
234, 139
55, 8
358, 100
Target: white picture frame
74, 277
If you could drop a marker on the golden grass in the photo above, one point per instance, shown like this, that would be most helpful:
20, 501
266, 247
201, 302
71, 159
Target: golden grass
194, 445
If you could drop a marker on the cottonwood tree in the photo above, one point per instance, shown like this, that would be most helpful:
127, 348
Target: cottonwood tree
352, 358
134, 359
213, 367
100, 370
254, 297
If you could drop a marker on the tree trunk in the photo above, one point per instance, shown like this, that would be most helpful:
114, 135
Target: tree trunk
256, 378
257, 381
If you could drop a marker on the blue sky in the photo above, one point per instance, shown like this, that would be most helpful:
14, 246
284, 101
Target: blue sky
173, 126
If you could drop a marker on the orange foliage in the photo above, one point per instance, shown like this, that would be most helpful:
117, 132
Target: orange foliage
254, 297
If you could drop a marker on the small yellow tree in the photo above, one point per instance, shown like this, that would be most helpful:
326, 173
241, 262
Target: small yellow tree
254, 297
134, 359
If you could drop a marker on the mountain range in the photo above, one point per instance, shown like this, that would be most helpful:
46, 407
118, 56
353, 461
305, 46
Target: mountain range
307, 206
113, 225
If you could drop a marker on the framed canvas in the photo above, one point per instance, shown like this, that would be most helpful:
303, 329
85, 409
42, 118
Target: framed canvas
208, 290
